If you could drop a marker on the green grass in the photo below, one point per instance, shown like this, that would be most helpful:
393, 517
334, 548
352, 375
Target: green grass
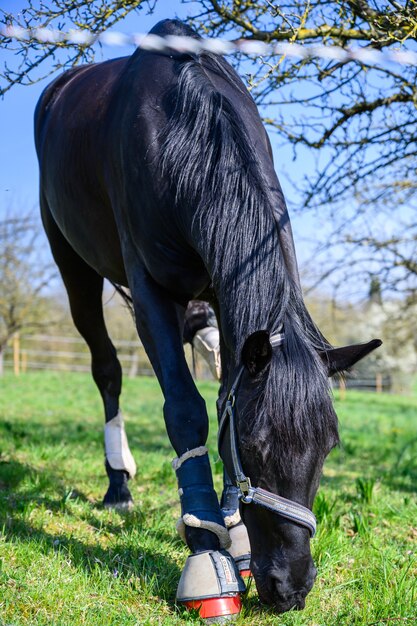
66, 561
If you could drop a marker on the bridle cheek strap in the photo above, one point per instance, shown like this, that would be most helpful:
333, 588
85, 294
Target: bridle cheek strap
286, 508
293, 511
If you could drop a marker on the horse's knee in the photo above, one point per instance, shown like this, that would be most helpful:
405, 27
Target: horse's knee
107, 375
186, 421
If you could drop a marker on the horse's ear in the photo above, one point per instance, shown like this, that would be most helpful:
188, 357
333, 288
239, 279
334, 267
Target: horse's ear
340, 359
257, 352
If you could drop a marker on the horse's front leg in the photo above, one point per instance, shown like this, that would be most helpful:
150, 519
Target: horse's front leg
210, 572
201, 330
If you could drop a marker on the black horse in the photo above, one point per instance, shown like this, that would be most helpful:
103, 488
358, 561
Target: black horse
156, 173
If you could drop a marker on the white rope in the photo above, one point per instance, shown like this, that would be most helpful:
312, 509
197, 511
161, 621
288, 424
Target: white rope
174, 43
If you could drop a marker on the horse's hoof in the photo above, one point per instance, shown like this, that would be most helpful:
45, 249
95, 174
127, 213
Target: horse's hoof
118, 498
210, 584
121, 507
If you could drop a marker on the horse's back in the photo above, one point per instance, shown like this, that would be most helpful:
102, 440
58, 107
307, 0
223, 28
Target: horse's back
98, 141
99, 136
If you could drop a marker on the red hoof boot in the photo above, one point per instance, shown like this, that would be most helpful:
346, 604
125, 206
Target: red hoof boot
216, 607
210, 583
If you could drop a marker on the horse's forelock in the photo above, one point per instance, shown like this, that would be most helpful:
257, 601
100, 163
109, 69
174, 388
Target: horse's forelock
294, 411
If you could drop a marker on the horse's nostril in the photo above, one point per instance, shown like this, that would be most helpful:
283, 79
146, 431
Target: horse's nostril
278, 585
300, 603
293, 602
285, 597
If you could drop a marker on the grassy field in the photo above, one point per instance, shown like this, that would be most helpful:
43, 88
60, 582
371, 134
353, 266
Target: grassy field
66, 561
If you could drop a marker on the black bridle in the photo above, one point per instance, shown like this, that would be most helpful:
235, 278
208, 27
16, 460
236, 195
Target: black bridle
289, 509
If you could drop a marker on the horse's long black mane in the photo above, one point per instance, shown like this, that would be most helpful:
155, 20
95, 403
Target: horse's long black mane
212, 165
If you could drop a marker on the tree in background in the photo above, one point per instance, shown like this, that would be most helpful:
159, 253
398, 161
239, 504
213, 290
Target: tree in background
31, 61
24, 275
392, 320
357, 118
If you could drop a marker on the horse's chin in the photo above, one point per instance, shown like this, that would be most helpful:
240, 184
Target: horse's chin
295, 602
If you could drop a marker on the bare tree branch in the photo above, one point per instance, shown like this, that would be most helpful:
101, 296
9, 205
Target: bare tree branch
358, 119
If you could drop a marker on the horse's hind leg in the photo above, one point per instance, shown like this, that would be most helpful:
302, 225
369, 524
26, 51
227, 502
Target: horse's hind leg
84, 287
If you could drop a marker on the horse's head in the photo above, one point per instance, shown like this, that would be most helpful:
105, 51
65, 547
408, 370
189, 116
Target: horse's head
285, 427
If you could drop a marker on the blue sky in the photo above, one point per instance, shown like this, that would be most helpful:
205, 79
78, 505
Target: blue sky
19, 170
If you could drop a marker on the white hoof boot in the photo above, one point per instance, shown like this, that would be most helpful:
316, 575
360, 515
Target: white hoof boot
207, 343
240, 549
210, 583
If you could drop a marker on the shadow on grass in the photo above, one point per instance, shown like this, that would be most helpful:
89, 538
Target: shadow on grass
146, 435
14, 473
17, 498
156, 569
153, 568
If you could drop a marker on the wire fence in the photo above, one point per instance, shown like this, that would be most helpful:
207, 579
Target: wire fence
58, 353
191, 45
71, 354
376, 382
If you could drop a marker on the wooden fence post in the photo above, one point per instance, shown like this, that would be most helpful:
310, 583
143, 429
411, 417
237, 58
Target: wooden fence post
16, 354
134, 365
378, 382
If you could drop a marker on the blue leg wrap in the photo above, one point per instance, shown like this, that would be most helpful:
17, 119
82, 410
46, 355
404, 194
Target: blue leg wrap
199, 503
197, 493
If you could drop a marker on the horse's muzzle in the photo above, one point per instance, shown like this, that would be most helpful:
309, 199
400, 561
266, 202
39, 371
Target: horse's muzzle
277, 590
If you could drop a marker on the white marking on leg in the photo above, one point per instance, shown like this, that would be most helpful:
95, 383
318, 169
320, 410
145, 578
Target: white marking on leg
118, 453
